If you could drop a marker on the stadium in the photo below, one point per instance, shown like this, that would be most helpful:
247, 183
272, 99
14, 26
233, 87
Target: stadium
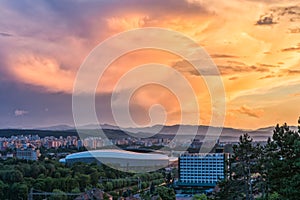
120, 159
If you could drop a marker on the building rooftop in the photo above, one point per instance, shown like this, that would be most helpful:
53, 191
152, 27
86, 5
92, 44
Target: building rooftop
114, 153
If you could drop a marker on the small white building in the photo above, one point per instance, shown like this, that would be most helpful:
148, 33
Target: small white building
27, 154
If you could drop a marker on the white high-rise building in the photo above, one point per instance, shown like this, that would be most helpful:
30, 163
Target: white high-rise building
197, 169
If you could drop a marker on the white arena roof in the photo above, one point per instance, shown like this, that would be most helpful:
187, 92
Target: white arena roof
114, 153
122, 160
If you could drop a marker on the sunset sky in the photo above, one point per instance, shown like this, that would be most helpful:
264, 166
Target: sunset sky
255, 44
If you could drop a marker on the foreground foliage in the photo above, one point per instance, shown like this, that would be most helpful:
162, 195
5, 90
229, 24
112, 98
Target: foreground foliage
18, 176
266, 172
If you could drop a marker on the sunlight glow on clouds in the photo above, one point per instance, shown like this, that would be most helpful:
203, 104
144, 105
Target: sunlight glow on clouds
255, 54
43, 71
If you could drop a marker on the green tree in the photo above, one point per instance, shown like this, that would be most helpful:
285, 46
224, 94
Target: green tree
49, 183
4, 189
11, 176
58, 195
152, 188
75, 190
145, 195
34, 170
243, 164
274, 196
109, 186
83, 181
271, 171
144, 185
168, 178
71, 183
135, 189
105, 196
94, 177
200, 197
18, 191
166, 193
285, 174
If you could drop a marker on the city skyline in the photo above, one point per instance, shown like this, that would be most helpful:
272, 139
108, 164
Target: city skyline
255, 45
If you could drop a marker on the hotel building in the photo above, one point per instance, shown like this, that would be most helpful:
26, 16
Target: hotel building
197, 169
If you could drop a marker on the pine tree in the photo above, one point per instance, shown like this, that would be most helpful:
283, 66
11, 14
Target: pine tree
243, 164
285, 172
271, 171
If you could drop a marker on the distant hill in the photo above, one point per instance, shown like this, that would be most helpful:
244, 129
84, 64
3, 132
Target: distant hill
41, 133
112, 134
61, 127
157, 131
227, 134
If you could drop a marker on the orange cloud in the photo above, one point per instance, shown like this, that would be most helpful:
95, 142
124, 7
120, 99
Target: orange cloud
43, 72
257, 113
295, 94
267, 76
291, 49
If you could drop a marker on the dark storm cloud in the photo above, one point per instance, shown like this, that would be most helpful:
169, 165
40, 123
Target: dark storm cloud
5, 34
38, 106
51, 28
76, 17
27, 107
49, 19
3, 67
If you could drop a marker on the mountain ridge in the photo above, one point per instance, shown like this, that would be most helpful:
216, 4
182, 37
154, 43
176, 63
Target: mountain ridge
227, 134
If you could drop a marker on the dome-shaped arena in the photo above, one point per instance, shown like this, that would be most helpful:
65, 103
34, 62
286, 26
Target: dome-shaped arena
120, 159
